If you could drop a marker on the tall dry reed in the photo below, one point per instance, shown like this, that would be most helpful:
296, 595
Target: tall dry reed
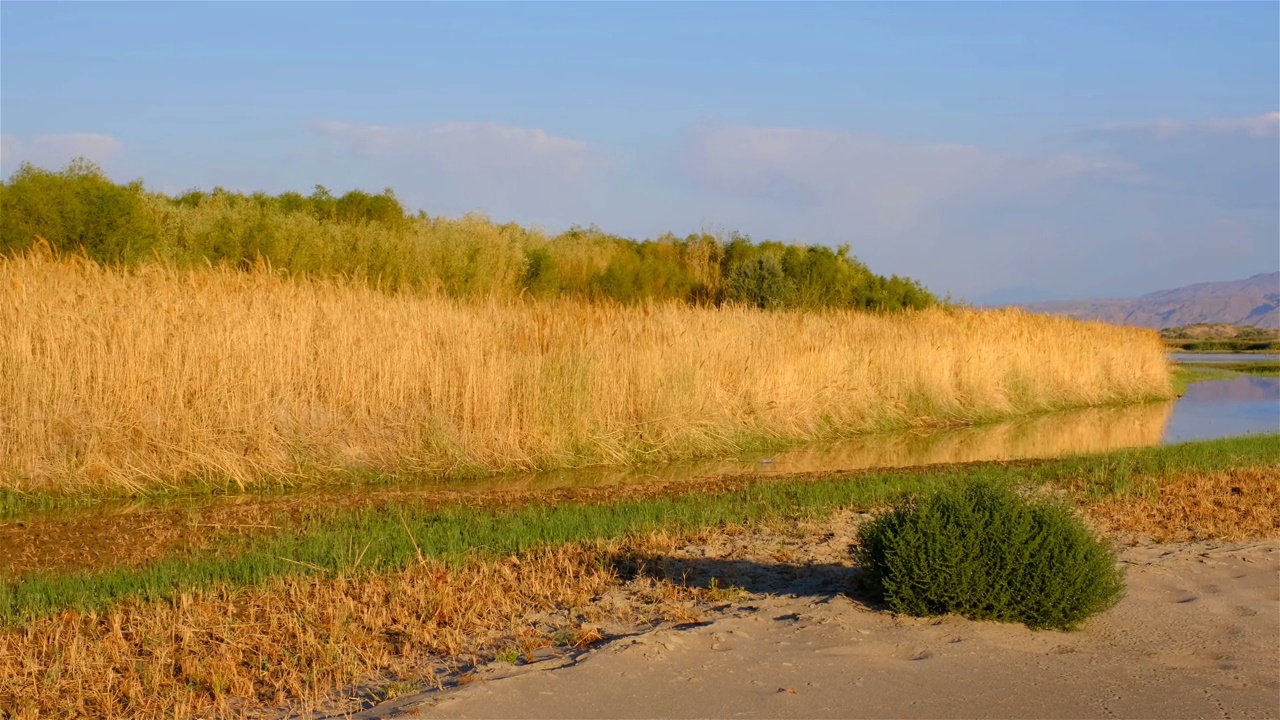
114, 378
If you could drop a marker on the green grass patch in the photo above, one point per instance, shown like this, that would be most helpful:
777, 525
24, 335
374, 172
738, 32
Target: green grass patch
340, 540
1224, 346
1256, 367
982, 551
1187, 374
1137, 470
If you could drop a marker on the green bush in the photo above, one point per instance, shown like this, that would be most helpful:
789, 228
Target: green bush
77, 210
760, 281
984, 552
374, 238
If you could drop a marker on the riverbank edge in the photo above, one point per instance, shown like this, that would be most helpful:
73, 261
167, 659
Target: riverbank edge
382, 538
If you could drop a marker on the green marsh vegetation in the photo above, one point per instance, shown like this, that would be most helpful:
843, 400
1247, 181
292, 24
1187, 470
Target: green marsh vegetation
373, 238
1189, 373
1260, 367
1226, 346
1184, 375
1219, 337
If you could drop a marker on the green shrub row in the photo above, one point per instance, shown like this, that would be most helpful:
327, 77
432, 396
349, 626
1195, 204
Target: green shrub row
373, 237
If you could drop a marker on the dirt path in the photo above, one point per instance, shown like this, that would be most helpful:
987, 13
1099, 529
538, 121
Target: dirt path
1198, 635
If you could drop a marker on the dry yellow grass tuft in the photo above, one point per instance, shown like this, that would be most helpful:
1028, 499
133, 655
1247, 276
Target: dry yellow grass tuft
231, 653
1241, 504
113, 378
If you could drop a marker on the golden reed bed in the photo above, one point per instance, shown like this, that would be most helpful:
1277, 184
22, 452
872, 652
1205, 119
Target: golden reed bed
115, 378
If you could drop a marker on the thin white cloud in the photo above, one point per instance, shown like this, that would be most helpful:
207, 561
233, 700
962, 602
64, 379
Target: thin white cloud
91, 145
1261, 126
869, 177
1265, 125
466, 147
509, 172
55, 151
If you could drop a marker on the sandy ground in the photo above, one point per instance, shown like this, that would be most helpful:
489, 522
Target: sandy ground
1197, 635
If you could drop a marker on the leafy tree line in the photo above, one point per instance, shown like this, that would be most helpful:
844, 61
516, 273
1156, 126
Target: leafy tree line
373, 237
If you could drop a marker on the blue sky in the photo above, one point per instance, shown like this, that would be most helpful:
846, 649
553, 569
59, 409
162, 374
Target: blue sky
1009, 151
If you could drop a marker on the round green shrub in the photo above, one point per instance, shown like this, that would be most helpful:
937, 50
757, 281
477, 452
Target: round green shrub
982, 551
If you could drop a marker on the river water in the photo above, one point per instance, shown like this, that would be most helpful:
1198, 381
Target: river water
1225, 408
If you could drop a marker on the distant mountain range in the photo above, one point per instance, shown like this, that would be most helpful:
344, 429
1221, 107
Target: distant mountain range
1253, 301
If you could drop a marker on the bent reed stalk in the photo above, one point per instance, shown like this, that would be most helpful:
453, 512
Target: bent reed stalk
128, 379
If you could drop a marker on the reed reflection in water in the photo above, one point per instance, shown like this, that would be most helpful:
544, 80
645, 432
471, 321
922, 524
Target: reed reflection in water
1072, 432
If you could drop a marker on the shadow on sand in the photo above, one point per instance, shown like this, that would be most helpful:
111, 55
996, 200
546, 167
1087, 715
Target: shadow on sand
724, 577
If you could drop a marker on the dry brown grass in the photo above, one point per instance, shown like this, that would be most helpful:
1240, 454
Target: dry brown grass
1239, 504
122, 379
297, 641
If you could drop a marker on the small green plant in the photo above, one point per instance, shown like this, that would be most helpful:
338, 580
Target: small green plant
508, 655
720, 593
982, 551
397, 689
